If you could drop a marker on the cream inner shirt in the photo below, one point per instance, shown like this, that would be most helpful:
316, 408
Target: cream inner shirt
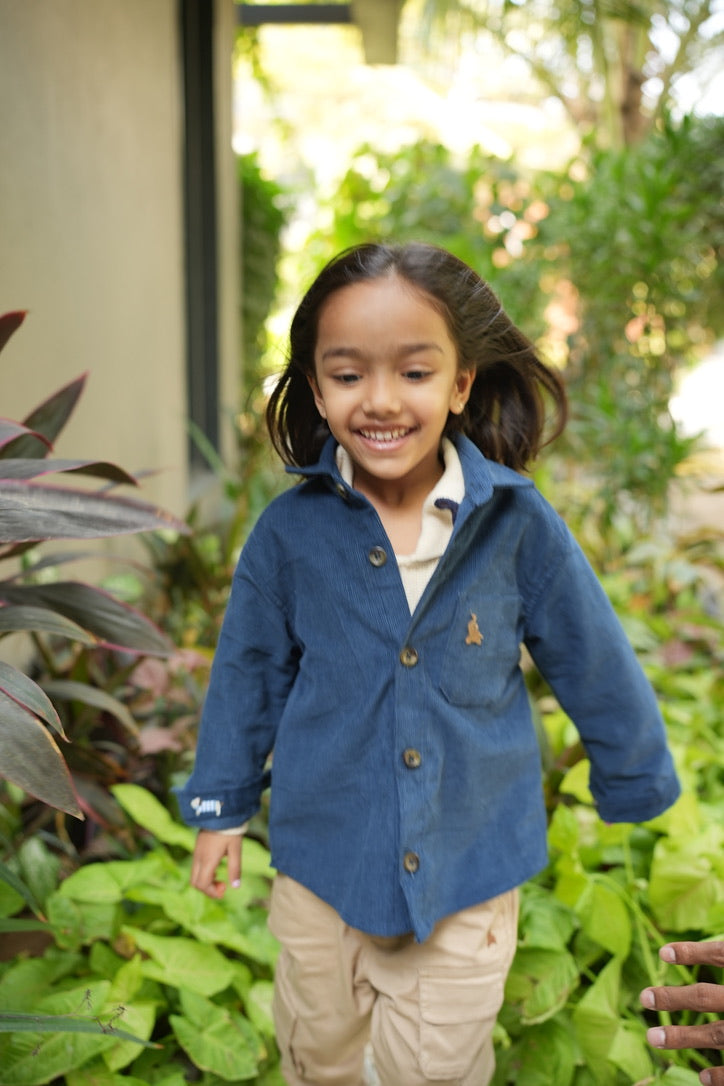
437, 521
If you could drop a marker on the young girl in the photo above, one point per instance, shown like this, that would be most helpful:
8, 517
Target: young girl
372, 641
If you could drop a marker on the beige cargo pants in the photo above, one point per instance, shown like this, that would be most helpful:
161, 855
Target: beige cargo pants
428, 1008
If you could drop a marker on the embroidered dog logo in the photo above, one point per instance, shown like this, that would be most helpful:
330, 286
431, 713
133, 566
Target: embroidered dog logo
474, 635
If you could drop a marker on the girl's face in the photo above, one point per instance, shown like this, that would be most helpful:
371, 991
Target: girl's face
386, 377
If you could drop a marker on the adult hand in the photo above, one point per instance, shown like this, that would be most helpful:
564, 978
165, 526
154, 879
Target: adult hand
211, 848
694, 997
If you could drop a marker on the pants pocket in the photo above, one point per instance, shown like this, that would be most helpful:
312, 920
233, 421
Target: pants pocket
457, 1016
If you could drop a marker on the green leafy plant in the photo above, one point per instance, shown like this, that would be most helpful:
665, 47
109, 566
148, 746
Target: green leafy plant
630, 256
132, 945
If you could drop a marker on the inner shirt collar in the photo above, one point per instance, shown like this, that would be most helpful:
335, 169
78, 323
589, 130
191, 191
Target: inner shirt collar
439, 508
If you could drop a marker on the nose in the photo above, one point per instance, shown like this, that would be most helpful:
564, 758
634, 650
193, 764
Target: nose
381, 399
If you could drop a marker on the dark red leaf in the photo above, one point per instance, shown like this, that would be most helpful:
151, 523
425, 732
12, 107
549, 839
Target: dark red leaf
9, 323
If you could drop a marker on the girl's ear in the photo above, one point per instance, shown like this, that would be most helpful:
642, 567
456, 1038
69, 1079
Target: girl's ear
461, 391
319, 402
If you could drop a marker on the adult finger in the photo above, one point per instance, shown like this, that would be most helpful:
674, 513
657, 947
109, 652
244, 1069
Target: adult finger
710, 1035
688, 953
693, 997
712, 1076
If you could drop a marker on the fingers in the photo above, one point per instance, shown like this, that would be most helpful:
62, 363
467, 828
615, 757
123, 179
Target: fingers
686, 953
710, 1035
707, 998
693, 997
211, 848
713, 1076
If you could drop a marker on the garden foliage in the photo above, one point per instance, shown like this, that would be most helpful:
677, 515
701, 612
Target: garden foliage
134, 950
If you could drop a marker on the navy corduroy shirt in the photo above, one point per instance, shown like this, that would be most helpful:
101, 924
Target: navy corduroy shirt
406, 770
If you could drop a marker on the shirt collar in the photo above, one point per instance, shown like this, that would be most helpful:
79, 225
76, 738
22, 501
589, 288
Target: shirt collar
481, 476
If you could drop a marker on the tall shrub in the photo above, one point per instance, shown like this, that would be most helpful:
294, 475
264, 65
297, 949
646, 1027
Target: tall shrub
636, 236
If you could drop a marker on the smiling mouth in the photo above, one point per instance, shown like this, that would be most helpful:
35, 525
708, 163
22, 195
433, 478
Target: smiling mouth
382, 436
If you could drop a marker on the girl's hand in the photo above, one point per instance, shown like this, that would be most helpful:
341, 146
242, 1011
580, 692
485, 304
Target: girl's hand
209, 852
695, 997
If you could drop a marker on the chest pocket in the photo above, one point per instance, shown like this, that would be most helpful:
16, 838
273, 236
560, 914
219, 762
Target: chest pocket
482, 655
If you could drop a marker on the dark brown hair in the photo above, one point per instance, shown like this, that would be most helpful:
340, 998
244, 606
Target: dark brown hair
505, 415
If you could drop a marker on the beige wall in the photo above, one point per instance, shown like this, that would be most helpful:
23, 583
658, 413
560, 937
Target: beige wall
91, 226
229, 258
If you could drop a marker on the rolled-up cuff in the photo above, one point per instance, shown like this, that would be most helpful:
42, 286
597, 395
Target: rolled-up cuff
222, 809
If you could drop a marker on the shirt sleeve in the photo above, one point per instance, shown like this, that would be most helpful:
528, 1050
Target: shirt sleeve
252, 672
578, 643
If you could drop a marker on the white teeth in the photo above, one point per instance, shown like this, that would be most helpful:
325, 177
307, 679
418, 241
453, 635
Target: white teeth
383, 435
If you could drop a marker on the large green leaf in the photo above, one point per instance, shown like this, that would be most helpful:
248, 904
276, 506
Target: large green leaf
14, 684
212, 923
27, 981
597, 1020
545, 1055
75, 925
604, 917
687, 880
258, 1006
217, 1039
113, 623
183, 963
31, 759
109, 882
545, 921
34, 512
146, 811
631, 1053
29, 468
139, 1019
540, 982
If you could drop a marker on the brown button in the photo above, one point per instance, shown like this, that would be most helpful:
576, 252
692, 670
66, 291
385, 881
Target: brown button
411, 862
377, 556
412, 758
342, 491
409, 656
